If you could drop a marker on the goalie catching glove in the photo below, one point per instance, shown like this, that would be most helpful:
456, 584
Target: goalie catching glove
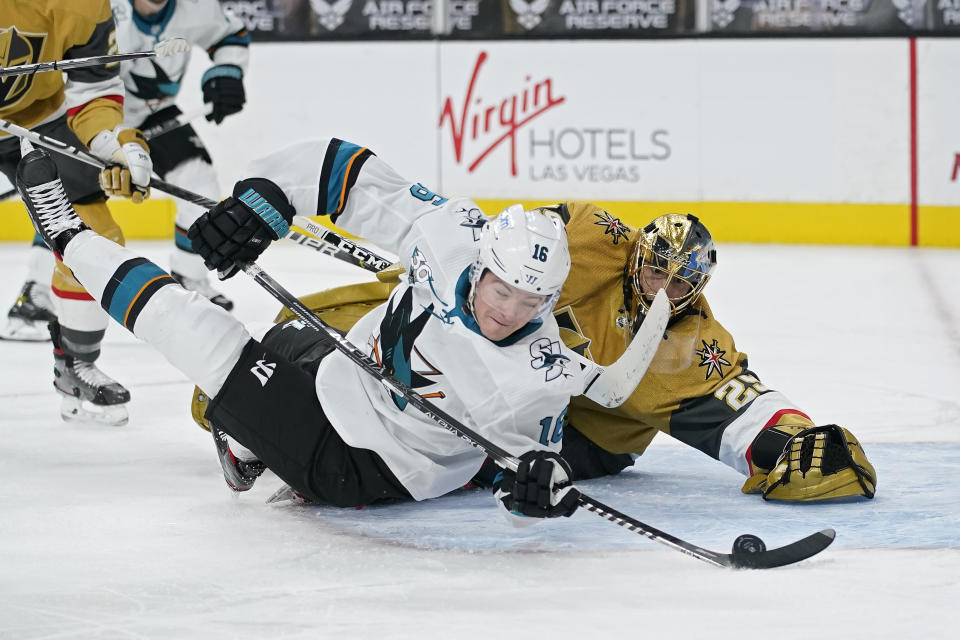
129, 166
815, 463
237, 230
539, 488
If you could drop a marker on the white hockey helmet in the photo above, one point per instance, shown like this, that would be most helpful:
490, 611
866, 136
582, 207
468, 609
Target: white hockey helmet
527, 250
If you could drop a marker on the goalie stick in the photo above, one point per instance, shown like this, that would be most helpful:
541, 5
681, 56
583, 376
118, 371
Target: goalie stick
164, 48
749, 552
343, 249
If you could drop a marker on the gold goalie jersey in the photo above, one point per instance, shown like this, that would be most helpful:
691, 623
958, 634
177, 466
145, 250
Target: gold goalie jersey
33, 31
698, 388
697, 385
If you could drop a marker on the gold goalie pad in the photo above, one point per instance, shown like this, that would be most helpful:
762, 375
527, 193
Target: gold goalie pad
818, 463
340, 308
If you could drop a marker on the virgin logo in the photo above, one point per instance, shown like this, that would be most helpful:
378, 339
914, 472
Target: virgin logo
482, 125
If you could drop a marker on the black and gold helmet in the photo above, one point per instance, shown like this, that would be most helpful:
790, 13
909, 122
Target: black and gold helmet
674, 252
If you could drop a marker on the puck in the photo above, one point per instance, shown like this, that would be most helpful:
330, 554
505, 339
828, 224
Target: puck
748, 543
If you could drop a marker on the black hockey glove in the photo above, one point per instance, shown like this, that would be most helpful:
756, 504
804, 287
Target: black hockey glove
223, 86
540, 487
240, 228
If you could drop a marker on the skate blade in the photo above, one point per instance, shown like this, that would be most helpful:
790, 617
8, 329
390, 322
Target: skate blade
283, 494
19, 330
74, 409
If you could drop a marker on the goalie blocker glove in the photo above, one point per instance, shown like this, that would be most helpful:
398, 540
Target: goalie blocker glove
539, 488
237, 230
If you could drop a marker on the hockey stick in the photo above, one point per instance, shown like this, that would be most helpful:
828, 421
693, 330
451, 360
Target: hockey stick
163, 49
749, 552
181, 120
344, 249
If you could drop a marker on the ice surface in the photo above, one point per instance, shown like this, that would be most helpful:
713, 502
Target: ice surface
130, 532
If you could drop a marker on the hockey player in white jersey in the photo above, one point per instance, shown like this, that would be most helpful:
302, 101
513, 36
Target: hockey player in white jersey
469, 328
152, 86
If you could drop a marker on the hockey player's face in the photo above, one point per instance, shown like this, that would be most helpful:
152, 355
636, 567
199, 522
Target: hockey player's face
501, 309
653, 279
147, 8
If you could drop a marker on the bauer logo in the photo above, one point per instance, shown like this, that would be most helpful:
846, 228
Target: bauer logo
263, 370
479, 124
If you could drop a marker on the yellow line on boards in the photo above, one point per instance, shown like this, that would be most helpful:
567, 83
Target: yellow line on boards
762, 222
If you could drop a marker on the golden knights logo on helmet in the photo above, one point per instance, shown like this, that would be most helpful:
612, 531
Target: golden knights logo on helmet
675, 252
17, 48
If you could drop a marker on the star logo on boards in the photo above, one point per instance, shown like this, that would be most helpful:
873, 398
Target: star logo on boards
613, 226
711, 357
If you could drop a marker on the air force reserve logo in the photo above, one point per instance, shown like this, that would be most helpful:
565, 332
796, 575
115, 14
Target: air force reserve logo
330, 14
17, 48
528, 13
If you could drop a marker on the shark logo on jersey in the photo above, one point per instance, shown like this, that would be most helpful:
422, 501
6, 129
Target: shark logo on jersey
16, 48
545, 354
711, 357
420, 272
156, 88
473, 219
394, 348
330, 14
613, 227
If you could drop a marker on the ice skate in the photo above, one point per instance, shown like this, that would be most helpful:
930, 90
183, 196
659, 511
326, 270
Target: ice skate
28, 317
52, 215
203, 287
239, 474
89, 395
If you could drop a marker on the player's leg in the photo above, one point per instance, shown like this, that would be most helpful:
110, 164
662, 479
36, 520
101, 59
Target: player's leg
179, 157
32, 309
269, 404
88, 393
260, 396
196, 336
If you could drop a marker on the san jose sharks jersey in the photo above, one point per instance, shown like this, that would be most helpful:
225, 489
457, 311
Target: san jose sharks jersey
698, 388
33, 31
514, 392
152, 84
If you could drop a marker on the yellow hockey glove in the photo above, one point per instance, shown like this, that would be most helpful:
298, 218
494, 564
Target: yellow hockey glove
128, 163
817, 463
198, 407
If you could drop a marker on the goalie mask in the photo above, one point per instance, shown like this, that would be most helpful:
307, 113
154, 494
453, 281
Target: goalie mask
675, 252
527, 250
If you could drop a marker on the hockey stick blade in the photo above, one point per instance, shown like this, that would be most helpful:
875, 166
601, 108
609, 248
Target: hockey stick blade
766, 559
781, 556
